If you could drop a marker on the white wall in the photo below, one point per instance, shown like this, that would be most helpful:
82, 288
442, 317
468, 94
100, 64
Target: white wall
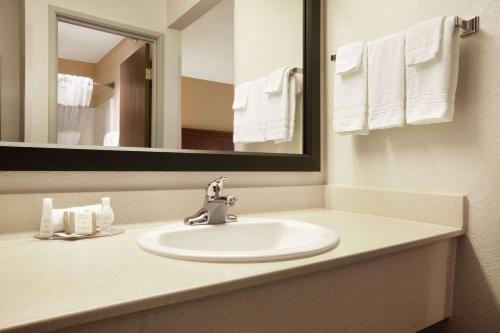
459, 157
177, 8
208, 45
268, 35
170, 135
181, 13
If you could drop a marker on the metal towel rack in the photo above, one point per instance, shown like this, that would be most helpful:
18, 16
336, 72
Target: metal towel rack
468, 27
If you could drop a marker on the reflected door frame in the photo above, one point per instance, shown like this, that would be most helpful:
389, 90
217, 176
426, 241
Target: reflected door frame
157, 40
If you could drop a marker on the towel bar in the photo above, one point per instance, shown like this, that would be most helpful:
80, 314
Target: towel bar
468, 27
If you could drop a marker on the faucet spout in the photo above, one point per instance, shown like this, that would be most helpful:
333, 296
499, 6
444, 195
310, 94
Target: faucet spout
201, 217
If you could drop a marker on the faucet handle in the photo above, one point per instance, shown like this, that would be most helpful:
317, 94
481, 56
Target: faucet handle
231, 200
215, 188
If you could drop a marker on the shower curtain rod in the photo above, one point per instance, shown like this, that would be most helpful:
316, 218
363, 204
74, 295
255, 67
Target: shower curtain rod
468, 27
109, 85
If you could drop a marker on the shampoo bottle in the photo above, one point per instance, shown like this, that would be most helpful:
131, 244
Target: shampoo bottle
46, 226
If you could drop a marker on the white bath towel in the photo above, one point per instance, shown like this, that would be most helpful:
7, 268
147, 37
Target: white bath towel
431, 84
350, 95
386, 82
250, 121
241, 96
281, 105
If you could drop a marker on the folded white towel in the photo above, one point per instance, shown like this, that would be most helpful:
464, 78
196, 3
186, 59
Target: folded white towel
250, 122
281, 106
350, 95
275, 80
349, 57
386, 82
241, 96
431, 85
423, 41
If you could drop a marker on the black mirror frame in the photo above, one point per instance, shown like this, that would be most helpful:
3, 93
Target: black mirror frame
25, 158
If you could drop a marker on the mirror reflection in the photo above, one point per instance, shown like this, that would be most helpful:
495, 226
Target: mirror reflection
103, 88
167, 74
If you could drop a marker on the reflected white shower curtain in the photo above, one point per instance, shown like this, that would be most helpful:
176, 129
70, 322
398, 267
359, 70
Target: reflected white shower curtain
73, 100
107, 124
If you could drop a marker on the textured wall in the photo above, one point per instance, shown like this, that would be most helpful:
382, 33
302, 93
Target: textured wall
39, 182
460, 157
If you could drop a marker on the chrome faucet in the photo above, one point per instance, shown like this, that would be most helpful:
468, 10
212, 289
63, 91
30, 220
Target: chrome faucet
214, 210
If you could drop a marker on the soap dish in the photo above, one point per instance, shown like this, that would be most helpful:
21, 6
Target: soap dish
71, 237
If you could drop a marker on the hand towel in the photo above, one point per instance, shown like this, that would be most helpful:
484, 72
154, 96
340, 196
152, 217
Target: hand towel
386, 82
423, 41
350, 95
296, 81
431, 85
241, 96
281, 106
250, 122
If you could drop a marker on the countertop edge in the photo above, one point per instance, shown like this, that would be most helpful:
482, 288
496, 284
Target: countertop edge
143, 304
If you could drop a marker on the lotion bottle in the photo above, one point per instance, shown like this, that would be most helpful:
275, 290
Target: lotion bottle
46, 226
107, 216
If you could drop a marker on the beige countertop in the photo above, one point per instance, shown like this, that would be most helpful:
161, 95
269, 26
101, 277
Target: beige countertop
47, 285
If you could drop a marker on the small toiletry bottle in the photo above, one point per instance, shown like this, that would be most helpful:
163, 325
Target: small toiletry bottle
107, 216
46, 226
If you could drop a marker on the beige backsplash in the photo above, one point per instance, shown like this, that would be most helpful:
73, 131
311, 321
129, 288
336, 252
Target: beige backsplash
21, 212
78, 181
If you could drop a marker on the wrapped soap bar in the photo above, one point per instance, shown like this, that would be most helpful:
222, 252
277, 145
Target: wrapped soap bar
80, 223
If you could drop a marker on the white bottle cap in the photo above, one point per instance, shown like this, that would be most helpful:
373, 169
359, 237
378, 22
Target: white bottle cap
106, 200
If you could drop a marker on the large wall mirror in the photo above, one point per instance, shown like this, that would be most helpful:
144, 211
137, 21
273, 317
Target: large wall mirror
160, 85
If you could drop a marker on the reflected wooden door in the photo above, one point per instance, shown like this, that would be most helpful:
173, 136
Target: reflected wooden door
135, 99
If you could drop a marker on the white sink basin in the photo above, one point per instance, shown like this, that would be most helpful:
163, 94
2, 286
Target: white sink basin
245, 240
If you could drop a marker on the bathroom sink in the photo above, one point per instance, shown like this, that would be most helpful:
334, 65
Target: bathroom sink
242, 241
